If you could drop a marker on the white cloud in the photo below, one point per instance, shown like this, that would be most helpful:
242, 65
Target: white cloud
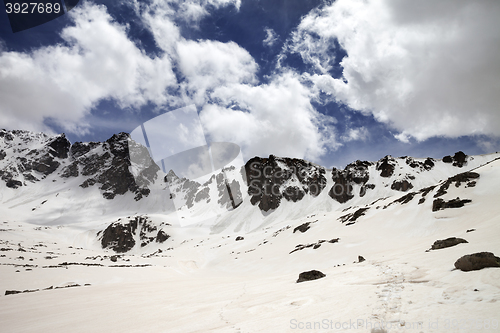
98, 61
276, 118
65, 82
271, 37
188, 11
210, 64
356, 134
426, 68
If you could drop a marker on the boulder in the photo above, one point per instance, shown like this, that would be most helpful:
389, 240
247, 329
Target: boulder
448, 242
302, 228
310, 275
477, 261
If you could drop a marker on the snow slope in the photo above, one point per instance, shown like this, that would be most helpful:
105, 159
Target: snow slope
202, 279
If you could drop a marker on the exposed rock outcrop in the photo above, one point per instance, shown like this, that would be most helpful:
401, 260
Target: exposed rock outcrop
272, 179
401, 185
310, 275
302, 228
354, 173
465, 177
120, 236
448, 242
458, 160
439, 203
386, 166
477, 261
352, 217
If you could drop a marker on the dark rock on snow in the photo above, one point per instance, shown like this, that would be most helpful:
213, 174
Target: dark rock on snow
401, 185
120, 236
458, 160
439, 204
352, 217
265, 176
448, 242
302, 228
310, 275
314, 245
386, 166
477, 261
162, 236
458, 179
354, 173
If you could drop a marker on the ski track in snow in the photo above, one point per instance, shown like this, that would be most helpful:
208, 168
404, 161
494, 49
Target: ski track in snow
388, 309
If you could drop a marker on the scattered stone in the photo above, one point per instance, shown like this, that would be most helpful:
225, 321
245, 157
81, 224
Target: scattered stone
313, 245
439, 204
310, 275
162, 236
477, 261
113, 258
464, 177
302, 228
448, 242
470, 230
352, 217
361, 259
239, 238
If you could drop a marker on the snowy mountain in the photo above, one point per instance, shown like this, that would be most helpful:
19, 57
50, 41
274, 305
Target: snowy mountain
388, 241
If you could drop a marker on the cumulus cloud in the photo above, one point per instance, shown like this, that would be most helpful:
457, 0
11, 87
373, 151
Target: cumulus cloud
426, 68
220, 78
355, 134
210, 64
64, 82
98, 61
187, 11
274, 118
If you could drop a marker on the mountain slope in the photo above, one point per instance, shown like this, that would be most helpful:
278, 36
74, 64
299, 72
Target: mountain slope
196, 279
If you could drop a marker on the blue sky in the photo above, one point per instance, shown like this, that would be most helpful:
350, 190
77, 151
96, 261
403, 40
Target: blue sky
328, 81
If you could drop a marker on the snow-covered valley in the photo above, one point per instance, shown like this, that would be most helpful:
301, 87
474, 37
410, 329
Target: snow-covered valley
74, 260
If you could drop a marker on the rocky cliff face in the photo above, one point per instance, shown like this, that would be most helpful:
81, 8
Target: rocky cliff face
262, 185
27, 157
270, 180
354, 173
122, 235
